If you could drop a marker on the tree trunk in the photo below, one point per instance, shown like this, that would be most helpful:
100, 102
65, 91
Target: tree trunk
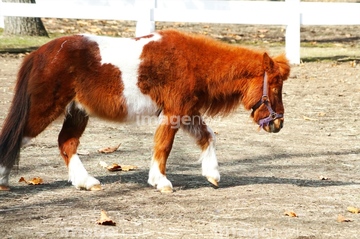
29, 26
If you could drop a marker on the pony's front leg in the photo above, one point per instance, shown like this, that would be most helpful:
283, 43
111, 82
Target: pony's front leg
73, 127
209, 163
163, 139
205, 138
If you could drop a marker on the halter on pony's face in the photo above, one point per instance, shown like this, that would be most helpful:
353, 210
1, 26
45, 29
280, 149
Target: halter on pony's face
268, 112
274, 122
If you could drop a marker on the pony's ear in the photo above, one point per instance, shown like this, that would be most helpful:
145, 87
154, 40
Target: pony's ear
268, 63
284, 66
281, 63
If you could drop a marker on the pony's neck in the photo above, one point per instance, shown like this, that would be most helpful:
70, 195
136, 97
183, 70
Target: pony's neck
232, 80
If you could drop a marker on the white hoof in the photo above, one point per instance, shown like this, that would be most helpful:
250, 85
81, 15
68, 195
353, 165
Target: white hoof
211, 174
158, 180
209, 164
88, 183
79, 177
4, 176
164, 185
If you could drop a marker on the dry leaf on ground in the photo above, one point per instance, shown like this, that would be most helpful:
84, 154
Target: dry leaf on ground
290, 214
117, 167
105, 220
341, 218
108, 150
4, 188
34, 181
114, 167
353, 210
22, 179
128, 167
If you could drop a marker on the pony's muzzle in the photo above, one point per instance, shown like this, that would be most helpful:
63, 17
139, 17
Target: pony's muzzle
274, 126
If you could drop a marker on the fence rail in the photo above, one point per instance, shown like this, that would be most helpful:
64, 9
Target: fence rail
290, 13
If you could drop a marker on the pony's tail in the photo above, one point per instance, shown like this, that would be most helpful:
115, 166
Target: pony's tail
13, 128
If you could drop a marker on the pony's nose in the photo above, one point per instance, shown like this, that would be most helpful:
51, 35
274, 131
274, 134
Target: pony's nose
278, 123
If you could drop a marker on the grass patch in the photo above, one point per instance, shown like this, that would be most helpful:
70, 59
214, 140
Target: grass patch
314, 54
18, 43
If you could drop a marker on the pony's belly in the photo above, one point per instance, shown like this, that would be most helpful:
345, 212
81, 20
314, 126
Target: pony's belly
140, 108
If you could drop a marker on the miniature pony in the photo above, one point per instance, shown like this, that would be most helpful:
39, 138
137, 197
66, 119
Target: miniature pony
169, 74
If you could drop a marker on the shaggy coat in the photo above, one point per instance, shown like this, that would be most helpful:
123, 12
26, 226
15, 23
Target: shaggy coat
167, 74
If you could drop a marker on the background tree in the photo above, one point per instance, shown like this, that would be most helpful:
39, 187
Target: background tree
29, 26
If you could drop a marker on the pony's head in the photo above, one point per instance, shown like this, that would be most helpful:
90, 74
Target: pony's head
268, 111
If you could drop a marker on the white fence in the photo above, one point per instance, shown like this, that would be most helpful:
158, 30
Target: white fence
291, 13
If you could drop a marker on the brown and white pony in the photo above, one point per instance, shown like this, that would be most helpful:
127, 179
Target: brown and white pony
168, 74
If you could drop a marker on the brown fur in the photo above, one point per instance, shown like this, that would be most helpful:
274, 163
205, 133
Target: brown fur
64, 70
186, 74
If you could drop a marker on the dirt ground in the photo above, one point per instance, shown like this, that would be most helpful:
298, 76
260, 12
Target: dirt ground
263, 175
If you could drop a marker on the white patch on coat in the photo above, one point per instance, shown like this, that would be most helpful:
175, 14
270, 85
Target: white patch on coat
79, 176
124, 53
209, 161
4, 176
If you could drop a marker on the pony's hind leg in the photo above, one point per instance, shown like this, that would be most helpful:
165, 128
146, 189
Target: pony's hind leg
163, 139
74, 125
205, 138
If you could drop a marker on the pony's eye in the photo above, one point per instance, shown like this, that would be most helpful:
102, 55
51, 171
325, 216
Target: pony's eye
275, 90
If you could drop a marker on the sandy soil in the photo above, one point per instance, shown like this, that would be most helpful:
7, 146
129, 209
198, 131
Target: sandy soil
263, 175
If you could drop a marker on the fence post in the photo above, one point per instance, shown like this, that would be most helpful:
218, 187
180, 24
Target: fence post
146, 23
292, 37
1, 16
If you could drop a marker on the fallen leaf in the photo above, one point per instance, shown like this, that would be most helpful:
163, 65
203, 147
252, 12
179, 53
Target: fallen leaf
290, 214
4, 188
22, 179
108, 150
341, 218
353, 210
114, 167
117, 167
34, 181
105, 220
128, 167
